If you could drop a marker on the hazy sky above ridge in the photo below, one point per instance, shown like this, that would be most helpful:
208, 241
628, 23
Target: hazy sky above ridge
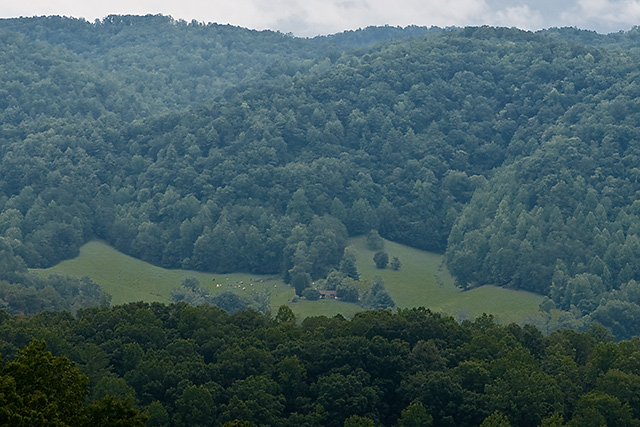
312, 17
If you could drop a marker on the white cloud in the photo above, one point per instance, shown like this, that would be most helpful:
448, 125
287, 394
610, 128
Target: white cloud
521, 16
606, 15
305, 18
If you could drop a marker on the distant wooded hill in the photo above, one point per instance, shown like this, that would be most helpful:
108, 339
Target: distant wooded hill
218, 148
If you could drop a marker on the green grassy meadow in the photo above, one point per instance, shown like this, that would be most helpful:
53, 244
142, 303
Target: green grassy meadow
415, 285
128, 279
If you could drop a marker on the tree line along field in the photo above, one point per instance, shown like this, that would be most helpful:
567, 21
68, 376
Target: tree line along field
414, 285
512, 153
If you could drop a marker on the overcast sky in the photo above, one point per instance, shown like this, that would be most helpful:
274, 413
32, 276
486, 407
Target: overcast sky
313, 17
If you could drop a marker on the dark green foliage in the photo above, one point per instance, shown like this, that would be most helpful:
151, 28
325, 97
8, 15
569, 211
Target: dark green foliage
191, 292
285, 315
221, 149
191, 283
348, 264
497, 419
198, 61
28, 293
348, 292
415, 415
374, 241
311, 294
300, 282
111, 412
381, 259
406, 368
230, 301
358, 421
621, 40
377, 296
334, 280
41, 389
395, 263
173, 201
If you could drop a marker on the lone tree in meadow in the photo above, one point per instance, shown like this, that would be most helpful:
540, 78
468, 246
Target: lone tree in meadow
381, 258
377, 296
348, 264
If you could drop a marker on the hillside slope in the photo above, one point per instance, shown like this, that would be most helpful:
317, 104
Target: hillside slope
513, 152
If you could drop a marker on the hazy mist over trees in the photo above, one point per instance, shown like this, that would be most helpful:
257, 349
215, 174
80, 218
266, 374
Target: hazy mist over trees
216, 148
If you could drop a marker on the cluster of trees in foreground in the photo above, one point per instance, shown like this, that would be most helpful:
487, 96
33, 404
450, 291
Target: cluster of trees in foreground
180, 365
39, 389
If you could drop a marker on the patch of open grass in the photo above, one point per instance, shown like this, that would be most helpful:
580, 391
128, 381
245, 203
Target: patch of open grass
128, 279
304, 308
422, 281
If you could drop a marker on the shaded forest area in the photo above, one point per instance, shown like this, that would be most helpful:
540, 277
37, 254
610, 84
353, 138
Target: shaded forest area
181, 365
222, 149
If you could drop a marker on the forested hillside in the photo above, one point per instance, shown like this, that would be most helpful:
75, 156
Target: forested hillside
622, 40
176, 64
222, 149
188, 366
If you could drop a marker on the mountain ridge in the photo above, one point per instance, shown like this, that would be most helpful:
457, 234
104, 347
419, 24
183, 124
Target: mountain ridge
443, 141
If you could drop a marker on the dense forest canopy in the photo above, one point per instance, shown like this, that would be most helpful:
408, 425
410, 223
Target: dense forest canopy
178, 64
217, 148
186, 366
